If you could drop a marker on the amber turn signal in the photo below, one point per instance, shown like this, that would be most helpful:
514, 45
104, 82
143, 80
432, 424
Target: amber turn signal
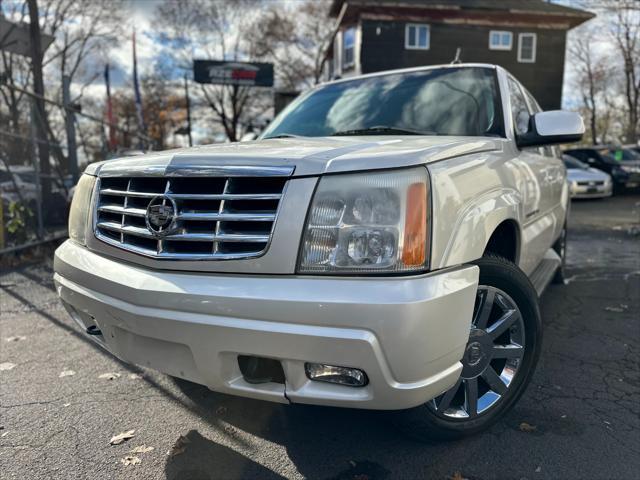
415, 231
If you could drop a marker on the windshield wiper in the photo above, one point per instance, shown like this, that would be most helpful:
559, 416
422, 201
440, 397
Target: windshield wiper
283, 135
382, 130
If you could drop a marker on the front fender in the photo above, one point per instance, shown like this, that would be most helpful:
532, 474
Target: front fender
475, 222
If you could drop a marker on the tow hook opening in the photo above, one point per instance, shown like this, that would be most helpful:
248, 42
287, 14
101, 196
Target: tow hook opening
93, 330
257, 370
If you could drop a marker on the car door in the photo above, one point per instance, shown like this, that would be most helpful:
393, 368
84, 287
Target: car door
540, 193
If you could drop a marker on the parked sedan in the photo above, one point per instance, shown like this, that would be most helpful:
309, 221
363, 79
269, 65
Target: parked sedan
623, 164
586, 182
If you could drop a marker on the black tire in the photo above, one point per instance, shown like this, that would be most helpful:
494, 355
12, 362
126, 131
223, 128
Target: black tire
560, 248
423, 423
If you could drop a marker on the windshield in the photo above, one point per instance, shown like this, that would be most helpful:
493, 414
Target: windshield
443, 101
571, 162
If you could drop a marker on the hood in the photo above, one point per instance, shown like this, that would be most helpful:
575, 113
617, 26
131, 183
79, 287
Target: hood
308, 156
582, 175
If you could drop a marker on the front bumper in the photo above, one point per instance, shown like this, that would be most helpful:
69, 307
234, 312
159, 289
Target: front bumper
585, 191
407, 333
627, 179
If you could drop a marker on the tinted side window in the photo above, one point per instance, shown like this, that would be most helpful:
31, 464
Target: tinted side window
579, 154
519, 108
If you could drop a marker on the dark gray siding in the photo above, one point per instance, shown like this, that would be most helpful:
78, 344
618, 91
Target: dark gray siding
383, 49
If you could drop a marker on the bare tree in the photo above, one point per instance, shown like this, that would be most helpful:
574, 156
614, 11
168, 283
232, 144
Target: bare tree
626, 35
15, 71
297, 40
593, 73
216, 30
81, 31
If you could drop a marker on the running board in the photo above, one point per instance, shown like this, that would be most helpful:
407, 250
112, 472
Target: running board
544, 272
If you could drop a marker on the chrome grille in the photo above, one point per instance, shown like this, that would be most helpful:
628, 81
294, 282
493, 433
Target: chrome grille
591, 183
217, 217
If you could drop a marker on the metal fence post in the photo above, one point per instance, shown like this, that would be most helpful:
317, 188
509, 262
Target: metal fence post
1, 222
72, 153
36, 167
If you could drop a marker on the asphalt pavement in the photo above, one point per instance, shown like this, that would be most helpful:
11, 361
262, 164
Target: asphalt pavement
62, 398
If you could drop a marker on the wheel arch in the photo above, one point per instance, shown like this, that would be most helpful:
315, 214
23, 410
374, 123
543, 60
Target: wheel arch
489, 224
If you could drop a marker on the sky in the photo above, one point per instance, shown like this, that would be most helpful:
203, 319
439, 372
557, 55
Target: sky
140, 16
142, 12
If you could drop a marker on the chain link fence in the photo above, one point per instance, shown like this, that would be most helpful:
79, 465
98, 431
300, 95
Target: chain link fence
40, 159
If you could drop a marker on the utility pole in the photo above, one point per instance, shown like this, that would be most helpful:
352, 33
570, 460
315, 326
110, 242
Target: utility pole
72, 153
38, 88
186, 96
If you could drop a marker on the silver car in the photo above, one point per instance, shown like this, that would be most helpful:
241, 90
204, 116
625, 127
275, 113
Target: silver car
586, 182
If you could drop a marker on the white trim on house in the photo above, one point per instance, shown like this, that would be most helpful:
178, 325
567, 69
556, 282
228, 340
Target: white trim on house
417, 45
337, 54
357, 57
534, 45
500, 45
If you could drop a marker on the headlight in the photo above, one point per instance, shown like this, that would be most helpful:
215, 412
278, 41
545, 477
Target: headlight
368, 223
80, 207
630, 168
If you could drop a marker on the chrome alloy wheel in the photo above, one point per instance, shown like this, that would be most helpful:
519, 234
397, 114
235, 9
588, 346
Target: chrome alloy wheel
491, 359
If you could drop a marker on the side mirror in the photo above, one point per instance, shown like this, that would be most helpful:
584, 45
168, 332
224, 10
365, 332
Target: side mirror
555, 126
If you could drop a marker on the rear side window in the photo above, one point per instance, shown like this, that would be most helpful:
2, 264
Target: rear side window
519, 108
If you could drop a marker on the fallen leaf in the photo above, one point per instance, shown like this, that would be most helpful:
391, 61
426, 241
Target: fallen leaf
617, 309
130, 460
109, 376
4, 434
526, 427
122, 437
179, 447
141, 449
17, 338
6, 366
134, 376
457, 476
66, 373
66, 404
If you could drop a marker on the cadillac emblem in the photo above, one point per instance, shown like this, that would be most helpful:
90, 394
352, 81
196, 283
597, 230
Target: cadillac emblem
161, 215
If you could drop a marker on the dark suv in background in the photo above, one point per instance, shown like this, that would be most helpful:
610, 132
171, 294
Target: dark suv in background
623, 164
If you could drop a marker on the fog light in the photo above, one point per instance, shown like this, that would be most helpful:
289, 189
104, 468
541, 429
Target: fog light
351, 377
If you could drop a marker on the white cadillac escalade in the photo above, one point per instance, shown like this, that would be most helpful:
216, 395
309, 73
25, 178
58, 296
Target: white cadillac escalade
382, 246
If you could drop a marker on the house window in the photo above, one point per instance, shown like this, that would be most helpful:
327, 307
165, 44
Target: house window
348, 47
416, 37
527, 47
500, 40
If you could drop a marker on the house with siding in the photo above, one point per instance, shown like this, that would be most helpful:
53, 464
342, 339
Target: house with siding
527, 37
